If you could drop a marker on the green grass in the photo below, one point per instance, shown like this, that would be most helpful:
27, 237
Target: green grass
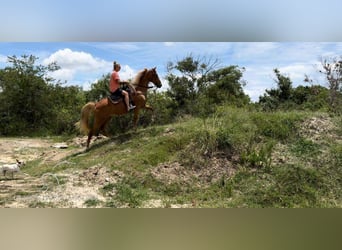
129, 192
92, 202
305, 148
286, 186
245, 138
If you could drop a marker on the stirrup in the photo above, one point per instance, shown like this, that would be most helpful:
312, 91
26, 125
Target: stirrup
131, 107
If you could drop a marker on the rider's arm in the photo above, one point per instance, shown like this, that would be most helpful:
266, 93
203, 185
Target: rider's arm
130, 86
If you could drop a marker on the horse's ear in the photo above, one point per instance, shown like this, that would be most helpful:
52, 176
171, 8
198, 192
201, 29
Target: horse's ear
155, 68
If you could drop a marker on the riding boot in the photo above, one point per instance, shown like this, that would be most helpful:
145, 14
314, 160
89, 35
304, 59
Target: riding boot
131, 104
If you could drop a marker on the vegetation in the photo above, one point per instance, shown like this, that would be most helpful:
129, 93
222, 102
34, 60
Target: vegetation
33, 103
206, 145
332, 69
200, 81
314, 97
269, 163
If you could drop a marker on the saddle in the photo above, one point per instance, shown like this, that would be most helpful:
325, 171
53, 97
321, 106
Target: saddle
117, 99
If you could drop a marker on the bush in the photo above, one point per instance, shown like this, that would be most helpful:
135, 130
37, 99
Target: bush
279, 126
255, 157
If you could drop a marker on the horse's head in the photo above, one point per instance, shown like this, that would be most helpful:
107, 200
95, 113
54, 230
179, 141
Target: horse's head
153, 77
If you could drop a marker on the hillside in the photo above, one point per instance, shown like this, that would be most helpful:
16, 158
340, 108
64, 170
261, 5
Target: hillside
236, 158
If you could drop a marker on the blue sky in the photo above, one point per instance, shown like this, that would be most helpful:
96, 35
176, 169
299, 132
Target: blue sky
165, 20
82, 63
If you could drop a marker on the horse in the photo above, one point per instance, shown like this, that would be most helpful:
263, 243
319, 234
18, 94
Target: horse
96, 115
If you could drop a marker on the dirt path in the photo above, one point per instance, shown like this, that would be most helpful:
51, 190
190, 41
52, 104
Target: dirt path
26, 149
72, 188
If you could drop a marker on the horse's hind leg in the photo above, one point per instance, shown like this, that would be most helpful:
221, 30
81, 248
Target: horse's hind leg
103, 127
90, 134
93, 131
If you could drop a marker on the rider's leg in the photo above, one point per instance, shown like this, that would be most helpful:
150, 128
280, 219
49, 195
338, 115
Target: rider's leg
126, 99
129, 107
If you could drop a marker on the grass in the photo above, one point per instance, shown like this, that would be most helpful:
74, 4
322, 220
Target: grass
129, 192
38, 204
305, 148
286, 186
92, 202
247, 139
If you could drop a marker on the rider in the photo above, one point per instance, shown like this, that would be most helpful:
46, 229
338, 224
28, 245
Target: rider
114, 86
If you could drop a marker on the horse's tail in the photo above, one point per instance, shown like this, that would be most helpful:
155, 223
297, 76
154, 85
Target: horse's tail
86, 123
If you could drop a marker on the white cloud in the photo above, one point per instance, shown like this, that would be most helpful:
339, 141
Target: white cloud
3, 59
73, 63
76, 60
254, 93
81, 68
294, 60
260, 77
63, 74
297, 71
127, 72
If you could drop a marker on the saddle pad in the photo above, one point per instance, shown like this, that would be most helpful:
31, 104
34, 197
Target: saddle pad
115, 100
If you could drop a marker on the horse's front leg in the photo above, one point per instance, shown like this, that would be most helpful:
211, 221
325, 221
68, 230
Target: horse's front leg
94, 130
149, 107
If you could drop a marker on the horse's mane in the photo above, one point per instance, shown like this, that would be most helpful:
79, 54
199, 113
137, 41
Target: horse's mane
138, 77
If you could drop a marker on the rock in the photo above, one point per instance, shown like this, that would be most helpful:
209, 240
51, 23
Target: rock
60, 145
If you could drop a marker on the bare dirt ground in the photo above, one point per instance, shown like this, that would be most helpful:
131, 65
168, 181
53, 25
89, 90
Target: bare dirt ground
71, 188
26, 149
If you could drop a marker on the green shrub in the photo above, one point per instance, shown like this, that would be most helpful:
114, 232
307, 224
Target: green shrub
293, 186
130, 192
279, 126
305, 148
256, 157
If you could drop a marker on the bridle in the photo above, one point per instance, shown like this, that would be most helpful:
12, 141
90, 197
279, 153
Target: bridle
142, 86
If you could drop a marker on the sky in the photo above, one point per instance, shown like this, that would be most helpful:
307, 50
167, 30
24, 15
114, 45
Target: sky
165, 20
83, 63
85, 37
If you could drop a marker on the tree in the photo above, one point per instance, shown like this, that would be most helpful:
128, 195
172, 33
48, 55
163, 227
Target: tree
225, 86
198, 85
284, 85
311, 97
332, 69
274, 97
32, 102
185, 78
25, 95
99, 89
67, 104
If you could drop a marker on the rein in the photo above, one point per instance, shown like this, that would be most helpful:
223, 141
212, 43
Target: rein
137, 84
146, 87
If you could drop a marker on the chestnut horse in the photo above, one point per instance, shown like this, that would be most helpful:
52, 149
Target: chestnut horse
95, 116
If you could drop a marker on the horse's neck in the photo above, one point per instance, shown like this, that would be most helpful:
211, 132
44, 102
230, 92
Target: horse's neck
142, 85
